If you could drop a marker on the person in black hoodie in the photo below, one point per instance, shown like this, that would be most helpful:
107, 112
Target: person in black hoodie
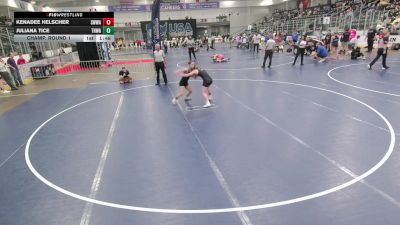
327, 41
345, 40
335, 45
370, 38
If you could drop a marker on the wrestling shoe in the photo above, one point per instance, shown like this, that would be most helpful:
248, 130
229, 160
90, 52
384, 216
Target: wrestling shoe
207, 105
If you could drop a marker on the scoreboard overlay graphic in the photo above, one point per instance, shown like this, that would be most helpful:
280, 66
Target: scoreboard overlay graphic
63, 26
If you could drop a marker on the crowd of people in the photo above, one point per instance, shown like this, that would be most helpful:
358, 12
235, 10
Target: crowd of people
339, 8
10, 74
331, 45
343, 7
5, 21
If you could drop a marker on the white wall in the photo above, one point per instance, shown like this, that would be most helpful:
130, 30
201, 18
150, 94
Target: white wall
246, 17
316, 2
18, 5
195, 14
129, 35
4, 11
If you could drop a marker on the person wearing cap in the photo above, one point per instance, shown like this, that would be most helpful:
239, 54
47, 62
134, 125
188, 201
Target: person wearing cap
124, 76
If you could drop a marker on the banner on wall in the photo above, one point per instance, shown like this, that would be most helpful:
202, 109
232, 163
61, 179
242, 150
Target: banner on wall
170, 1
164, 7
171, 28
155, 22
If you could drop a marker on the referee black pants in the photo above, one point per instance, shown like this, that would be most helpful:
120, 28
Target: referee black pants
166, 48
256, 46
191, 51
161, 66
370, 43
380, 52
268, 54
300, 51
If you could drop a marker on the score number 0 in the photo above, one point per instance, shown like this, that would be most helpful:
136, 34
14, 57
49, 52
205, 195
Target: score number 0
108, 25
108, 21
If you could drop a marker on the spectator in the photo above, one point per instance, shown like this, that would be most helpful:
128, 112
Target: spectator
189, 42
5, 75
212, 42
327, 41
295, 37
3, 86
138, 42
251, 42
322, 52
353, 33
335, 45
14, 70
124, 76
370, 38
62, 51
355, 42
244, 41
278, 41
165, 44
301, 46
356, 54
21, 59
345, 40
256, 40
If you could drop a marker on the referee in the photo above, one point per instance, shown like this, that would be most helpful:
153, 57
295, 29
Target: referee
269, 51
190, 44
159, 61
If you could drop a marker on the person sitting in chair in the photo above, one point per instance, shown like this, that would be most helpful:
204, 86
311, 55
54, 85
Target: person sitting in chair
124, 76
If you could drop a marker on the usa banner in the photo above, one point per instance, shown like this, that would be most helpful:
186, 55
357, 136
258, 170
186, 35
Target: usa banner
155, 22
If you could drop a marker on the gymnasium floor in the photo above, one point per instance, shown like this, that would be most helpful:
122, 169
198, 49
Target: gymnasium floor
311, 145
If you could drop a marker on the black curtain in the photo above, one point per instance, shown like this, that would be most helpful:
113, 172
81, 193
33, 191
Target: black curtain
87, 51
